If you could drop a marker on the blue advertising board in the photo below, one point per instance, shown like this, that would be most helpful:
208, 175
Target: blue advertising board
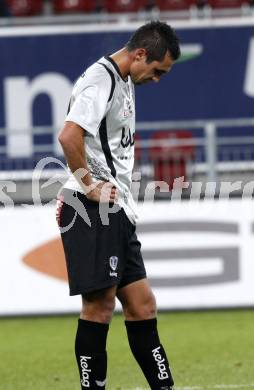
213, 80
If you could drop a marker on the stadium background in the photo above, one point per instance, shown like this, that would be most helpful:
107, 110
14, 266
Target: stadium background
197, 124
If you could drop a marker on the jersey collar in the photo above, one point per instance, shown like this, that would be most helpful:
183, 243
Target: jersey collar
108, 58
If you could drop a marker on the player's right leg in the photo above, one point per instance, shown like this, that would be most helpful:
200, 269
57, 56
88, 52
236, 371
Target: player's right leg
93, 253
90, 344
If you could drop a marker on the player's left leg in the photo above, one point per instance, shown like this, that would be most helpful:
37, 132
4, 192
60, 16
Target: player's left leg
139, 309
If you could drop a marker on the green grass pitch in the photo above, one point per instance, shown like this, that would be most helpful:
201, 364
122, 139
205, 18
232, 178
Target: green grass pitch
207, 350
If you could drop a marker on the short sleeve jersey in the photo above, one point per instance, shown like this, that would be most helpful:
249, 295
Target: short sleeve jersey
103, 104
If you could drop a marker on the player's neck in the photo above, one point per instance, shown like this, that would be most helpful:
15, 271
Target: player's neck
123, 61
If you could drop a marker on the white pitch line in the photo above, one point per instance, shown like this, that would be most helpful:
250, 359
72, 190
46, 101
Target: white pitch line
247, 386
190, 388
240, 386
218, 387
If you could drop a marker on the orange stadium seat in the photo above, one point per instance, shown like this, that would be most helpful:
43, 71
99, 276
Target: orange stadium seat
226, 3
174, 5
66, 6
25, 7
124, 5
170, 161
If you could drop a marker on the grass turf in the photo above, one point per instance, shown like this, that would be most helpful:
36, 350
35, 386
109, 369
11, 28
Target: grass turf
205, 349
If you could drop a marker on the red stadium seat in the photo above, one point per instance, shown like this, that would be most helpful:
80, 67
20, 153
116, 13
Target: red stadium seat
226, 3
25, 7
170, 161
124, 5
174, 5
68, 6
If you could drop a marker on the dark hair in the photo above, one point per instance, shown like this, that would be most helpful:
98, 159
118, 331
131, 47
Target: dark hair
157, 38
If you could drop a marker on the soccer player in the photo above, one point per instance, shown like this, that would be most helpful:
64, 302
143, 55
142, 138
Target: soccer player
102, 251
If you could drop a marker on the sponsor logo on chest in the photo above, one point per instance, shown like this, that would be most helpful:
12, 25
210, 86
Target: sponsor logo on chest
127, 108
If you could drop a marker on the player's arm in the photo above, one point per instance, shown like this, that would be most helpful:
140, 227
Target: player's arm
71, 138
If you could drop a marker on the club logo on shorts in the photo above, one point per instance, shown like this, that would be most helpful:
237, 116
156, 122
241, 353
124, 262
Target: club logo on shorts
113, 261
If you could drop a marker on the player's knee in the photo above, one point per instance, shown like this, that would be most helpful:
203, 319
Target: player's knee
100, 309
141, 310
98, 312
106, 310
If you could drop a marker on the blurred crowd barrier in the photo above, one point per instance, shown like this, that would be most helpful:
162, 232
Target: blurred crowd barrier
196, 165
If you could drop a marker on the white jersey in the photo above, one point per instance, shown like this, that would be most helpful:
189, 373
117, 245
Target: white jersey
103, 104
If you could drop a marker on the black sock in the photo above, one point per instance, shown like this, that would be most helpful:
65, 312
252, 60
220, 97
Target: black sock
146, 347
90, 349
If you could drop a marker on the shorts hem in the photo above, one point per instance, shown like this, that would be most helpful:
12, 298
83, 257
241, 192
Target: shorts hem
96, 287
131, 279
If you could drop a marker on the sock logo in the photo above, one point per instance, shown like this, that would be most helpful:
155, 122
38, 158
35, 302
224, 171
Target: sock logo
85, 370
160, 363
101, 383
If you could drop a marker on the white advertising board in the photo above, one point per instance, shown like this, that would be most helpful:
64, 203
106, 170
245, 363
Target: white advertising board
198, 254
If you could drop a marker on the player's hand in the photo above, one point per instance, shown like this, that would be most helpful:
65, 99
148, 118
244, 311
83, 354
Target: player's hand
103, 192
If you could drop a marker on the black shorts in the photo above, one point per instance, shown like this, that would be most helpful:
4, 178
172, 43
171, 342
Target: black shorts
100, 255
